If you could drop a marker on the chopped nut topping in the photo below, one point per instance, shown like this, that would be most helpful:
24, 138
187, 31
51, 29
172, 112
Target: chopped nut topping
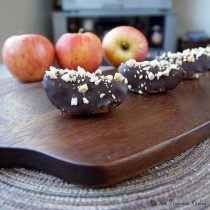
97, 82
154, 63
89, 74
93, 78
187, 51
83, 88
52, 68
137, 64
102, 95
171, 60
85, 101
126, 80
113, 96
164, 62
159, 74
146, 68
191, 59
66, 78
179, 62
73, 79
81, 71
52, 73
129, 87
151, 76
98, 71
145, 63
109, 77
173, 66
131, 62
74, 101
141, 76
171, 55
166, 72
119, 77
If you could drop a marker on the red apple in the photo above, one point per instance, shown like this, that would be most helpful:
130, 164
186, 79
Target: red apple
123, 43
79, 49
28, 56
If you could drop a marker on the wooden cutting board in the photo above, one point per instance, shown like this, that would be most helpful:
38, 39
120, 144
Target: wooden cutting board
101, 150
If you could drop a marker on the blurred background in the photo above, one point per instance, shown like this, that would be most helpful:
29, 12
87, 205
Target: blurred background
169, 25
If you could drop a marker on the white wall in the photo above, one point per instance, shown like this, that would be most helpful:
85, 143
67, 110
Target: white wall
27, 16
34, 16
193, 15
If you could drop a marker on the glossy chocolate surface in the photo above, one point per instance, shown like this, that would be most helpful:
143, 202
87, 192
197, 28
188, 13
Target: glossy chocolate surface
193, 61
60, 93
140, 82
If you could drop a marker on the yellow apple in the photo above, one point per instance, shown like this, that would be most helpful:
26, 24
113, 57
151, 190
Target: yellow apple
123, 43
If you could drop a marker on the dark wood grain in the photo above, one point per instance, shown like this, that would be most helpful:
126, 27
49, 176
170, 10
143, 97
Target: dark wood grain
101, 150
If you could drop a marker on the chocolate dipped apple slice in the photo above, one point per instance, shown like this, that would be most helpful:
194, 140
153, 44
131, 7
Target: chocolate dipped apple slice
151, 76
194, 61
81, 92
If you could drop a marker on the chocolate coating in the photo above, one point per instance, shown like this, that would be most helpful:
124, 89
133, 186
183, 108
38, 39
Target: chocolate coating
146, 78
196, 66
193, 61
88, 101
203, 56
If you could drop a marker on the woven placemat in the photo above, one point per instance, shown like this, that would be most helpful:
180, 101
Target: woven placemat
181, 183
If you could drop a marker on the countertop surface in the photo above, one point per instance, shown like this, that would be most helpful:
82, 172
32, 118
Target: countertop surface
180, 183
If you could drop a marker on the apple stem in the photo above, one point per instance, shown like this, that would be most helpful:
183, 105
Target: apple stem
124, 45
81, 30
